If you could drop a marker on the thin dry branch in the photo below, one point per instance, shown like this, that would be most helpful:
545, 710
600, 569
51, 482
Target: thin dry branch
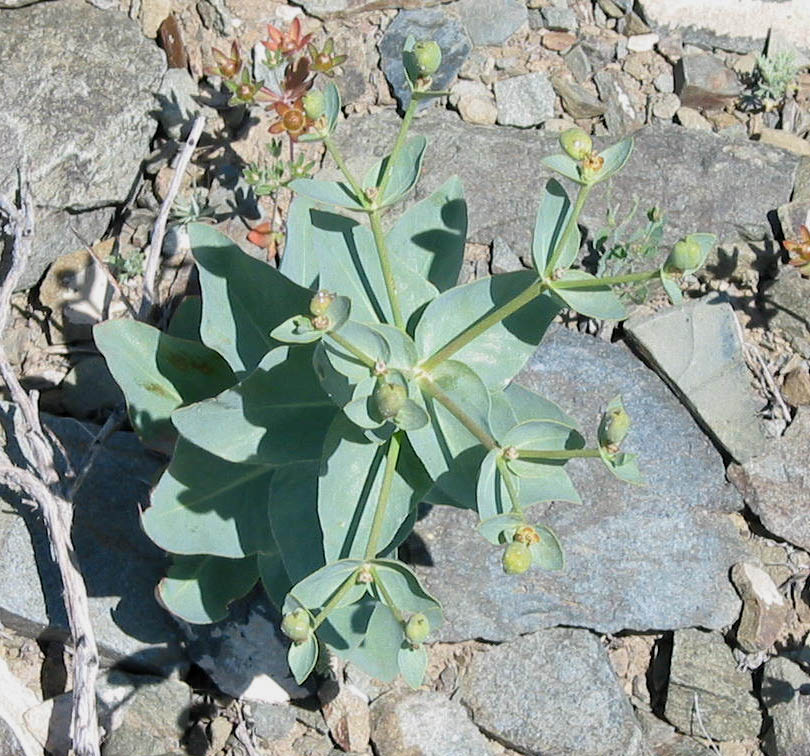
40, 483
149, 295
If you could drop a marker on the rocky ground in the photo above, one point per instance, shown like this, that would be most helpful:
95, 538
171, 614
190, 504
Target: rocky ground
679, 626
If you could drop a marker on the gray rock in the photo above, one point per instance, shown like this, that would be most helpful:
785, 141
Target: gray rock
15, 699
272, 721
615, 8
786, 695
246, 654
765, 610
578, 64
703, 81
692, 190
625, 546
577, 101
429, 23
346, 714
216, 15
705, 685
664, 82
696, 348
85, 77
666, 106
560, 19
792, 216
600, 51
552, 692
504, 260
739, 27
690, 118
775, 485
178, 105
536, 20
621, 117
424, 723
665, 740
474, 102
801, 181
786, 305
492, 22
525, 100
784, 139
89, 389
120, 565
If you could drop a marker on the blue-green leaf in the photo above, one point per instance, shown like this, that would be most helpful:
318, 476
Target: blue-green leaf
552, 218
405, 590
540, 435
302, 657
516, 404
615, 157
412, 664
671, 287
328, 192
299, 262
564, 165
624, 466
547, 554
315, 590
499, 529
297, 330
595, 301
185, 322
404, 173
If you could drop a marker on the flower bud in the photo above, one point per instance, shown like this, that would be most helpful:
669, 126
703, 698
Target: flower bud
526, 534
576, 143
417, 628
517, 558
296, 625
616, 427
320, 302
428, 57
390, 397
685, 255
314, 104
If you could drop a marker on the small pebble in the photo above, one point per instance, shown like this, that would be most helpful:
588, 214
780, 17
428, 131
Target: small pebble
558, 41
642, 42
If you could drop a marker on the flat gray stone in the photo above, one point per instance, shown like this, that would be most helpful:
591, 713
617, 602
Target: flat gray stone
765, 610
120, 565
492, 22
553, 691
786, 306
786, 695
84, 77
560, 19
424, 723
178, 104
429, 23
503, 175
736, 25
272, 721
578, 63
626, 546
696, 348
577, 101
703, 668
525, 100
775, 485
621, 116
703, 81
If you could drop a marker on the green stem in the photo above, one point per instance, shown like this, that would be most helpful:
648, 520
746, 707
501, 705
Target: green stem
345, 587
385, 493
429, 387
510, 485
398, 145
486, 322
609, 280
584, 190
386, 595
352, 349
385, 265
556, 453
337, 156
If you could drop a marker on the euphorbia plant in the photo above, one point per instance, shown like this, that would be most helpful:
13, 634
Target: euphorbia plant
310, 409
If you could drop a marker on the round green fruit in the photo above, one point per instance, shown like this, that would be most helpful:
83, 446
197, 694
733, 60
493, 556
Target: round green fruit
296, 625
517, 558
685, 255
617, 426
314, 104
428, 57
390, 398
576, 143
321, 302
417, 628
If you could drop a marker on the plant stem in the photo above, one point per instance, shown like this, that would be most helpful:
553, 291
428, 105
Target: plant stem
337, 156
429, 387
556, 453
352, 349
386, 595
403, 132
345, 586
385, 265
385, 493
607, 280
510, 485
486, 322
584, 191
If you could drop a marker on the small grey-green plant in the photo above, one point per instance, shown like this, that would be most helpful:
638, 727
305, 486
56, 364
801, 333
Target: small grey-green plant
775, 77
309, 409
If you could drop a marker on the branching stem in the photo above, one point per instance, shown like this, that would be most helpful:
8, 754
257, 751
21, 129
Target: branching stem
509, 482
607, 280
556, 453
398, 145
579, 203
353, 350
337, 596
386, 595
385, 494
337, 156
385, 265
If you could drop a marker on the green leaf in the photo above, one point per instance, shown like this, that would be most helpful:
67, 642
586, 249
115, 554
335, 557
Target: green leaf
540, 435
624, 466
368, 340
406, 591
671, 287
502, 350
547, 554
329, 192
244, 299
402, 351
185, 323
552, 217
564, 165
596, 301
302, 657
273, 574
362, 409
297, 330
159, 373
293, 513
491, 495
351, 476
404, 173
516, 404
615, 157
315, 590
198, 589
331, 100
277, 415
429, 236
412, 663
499, 529
411, 417
706, 242
299, 262
205, 505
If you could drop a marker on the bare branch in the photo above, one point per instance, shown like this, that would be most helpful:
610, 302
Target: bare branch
149, 295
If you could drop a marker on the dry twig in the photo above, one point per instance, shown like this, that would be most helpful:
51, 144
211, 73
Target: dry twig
149, 295
40, 483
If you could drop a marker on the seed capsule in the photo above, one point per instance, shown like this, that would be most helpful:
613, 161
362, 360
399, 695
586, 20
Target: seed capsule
526, 534
616, 427
296, 625
320, 303
390, 397
685, 255
576, 143
428, 56
517, 558
417, 628
314, 104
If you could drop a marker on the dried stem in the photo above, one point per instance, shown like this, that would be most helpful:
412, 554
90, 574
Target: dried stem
149, 295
